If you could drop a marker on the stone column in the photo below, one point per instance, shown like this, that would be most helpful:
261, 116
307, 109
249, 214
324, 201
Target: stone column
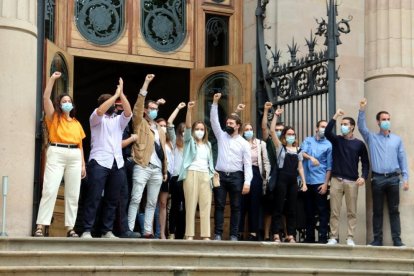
18, 34
389, 82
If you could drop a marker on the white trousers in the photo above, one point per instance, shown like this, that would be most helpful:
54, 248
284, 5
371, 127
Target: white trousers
66, 163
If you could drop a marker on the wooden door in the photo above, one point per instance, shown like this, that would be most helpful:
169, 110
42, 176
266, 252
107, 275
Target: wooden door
234, 82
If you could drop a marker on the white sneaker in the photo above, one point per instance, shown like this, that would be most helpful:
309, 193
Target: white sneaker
332, 242
86, 235
109, 235
350, 242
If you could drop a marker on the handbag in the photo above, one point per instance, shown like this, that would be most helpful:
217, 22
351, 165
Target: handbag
216, 179
271, 184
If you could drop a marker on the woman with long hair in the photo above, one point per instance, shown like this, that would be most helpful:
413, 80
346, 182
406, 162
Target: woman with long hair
197, 171
289, 165
64, 158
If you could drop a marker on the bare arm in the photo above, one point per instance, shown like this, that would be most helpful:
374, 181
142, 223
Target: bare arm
109, 102
275, 139
188, 122
175, 113
131, 139
47, 102
125, 103
265, 130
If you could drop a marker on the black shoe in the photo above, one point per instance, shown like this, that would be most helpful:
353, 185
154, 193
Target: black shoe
233, 238
375, 243
398, 242
240, 236
217, 237
252, 238
130, 235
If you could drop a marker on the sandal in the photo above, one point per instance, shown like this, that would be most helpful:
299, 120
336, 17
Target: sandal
72, 234
39, 232
276, 239
290, 239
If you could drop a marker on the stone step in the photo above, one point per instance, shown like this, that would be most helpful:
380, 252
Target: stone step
183, 271
206, 259
248, 248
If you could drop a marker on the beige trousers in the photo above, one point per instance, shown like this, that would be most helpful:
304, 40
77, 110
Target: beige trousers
339, 187
197, 189
66, 163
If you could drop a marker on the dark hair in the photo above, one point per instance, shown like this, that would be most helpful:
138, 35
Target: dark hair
319, 122
237, 119
280, 124
147, 102
205, 138
350, 119
167, 137
283, 138
103, 98
179, 135
58, 109
380, 113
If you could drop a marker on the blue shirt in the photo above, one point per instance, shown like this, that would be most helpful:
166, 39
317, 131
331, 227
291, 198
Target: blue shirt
387, 151
320, 149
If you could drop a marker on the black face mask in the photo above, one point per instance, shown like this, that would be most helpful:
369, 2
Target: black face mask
229, 130
110, 111
119, 112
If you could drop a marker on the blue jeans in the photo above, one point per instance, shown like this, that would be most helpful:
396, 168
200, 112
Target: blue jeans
390, 187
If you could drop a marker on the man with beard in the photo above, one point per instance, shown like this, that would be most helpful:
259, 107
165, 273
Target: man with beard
105, 166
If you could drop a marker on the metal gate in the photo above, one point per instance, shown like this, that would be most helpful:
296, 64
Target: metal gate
304, 87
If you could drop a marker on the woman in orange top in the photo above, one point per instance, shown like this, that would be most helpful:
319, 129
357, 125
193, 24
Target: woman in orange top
64, 158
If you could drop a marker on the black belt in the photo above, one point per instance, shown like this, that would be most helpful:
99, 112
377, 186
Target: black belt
64, 146
386, 174
231, 173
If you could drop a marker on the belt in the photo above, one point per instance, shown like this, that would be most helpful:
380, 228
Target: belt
64, 145
231, 173
386, 174
152, 166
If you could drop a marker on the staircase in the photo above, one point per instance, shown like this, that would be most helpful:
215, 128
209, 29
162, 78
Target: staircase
64, 256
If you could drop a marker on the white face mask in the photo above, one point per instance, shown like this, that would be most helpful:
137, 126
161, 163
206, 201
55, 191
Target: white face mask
164, 129
199, 134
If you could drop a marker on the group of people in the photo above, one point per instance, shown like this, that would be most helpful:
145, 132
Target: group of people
263, 178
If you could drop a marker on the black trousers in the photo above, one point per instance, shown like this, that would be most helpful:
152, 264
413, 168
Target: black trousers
316, 204
231, 183
102, 179
177, 211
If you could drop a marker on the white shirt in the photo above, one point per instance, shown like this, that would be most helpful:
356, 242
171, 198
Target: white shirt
200, 162
155, 160
106, 138
234, 153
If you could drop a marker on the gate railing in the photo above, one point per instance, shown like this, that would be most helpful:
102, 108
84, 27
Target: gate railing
304, 87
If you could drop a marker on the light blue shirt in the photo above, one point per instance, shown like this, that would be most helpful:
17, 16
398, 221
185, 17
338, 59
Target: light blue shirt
234, 153
386, 151
320, 149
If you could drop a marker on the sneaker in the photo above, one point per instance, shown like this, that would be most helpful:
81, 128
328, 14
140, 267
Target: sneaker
233, 238
375, 243
332, 242
130, 235
217, 237
398, 242
171, 237
252, 238
109, 235
86, 235
350, 242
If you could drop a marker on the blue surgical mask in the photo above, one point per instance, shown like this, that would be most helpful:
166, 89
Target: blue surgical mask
66, 107
345, 130
152, 114
385, 125
321, 132
248, 134
290, 139
278, 133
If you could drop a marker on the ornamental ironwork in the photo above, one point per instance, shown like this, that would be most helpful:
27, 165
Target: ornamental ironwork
100, 21
50, 19
163, 23
305, 87
59, 65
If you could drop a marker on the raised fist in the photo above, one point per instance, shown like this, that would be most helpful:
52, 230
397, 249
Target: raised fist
161, 101
340, 112
217, 96
181, 105
240, 107
363, 103
268, 105
56, 75
278, 112
149, 77
190, 105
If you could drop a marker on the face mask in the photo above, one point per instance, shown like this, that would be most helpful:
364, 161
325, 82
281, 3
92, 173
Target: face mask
278, 133
119, 112
385, 125
183, 134
248, 134
152, 114
110, 110
321, 132
164, 129
290, 139
66, 107
229, 130
199, 134
345, 130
